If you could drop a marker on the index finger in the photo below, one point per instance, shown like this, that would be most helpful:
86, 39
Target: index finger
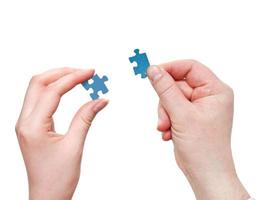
50, 99
36, 85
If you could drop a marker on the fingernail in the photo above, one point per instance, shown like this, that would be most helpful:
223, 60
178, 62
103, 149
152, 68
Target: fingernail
86, 70
154, 72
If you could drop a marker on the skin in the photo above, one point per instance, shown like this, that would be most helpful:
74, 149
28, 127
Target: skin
195, 112
53, 160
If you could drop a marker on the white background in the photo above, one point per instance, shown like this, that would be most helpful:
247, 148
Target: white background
124, 157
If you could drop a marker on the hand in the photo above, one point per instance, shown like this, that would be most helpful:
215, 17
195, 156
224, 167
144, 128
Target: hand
196, 112
53, 160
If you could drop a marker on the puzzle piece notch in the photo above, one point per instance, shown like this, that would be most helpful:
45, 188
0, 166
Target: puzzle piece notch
142, 63
97, 85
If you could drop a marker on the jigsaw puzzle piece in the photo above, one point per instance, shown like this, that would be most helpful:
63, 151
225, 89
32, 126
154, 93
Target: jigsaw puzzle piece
97, 85
142, 63
141, 70
86, 85
94, 96
135, 58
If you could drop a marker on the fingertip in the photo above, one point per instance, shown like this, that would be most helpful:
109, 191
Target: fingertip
159, 125
163, 125
90, 72
99, 105
166, 136
85, 116
105, 101
154, 73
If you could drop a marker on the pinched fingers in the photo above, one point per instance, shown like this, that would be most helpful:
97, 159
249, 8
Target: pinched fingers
38, 84
192, 71
49, 100
200, 78
44, 92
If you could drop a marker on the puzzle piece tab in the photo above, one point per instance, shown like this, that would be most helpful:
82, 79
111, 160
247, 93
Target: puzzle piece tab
142, 63
97, 85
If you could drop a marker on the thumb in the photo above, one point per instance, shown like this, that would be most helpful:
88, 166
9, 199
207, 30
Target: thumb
84, 118
171, 97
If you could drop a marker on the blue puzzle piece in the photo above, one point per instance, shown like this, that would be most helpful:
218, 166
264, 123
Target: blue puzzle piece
142, 63
97, 85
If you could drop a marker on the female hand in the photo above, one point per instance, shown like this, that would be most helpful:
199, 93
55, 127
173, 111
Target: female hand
53, 160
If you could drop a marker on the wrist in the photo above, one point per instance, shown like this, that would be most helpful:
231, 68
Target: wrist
51, 194
209, 185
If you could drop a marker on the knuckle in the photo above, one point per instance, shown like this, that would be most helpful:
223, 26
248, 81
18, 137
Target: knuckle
229, 92
51, 91
193, 61
87, 120
24, 133
197, 64
72, 76
18, 129
51, 94
21, 129
167, 91
35, 79
226, 96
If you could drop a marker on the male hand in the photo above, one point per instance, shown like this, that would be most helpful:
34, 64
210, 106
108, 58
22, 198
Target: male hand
196, 112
